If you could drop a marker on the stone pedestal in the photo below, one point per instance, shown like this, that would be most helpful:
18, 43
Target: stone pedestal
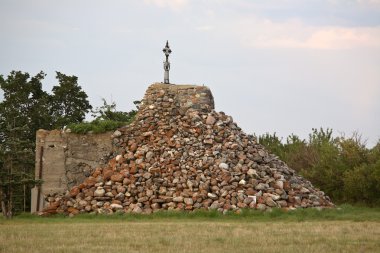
183, 97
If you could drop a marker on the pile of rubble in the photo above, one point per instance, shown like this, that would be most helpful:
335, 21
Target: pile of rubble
179, 154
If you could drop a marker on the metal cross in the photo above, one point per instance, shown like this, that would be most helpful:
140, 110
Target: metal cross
166, 51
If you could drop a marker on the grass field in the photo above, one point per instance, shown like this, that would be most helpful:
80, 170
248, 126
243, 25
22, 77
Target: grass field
346, 230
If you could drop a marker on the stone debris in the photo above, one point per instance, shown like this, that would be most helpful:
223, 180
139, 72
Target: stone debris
179, 154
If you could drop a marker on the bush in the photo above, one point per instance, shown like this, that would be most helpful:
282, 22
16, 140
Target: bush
362, 184
107, 118
342, 167
96, 126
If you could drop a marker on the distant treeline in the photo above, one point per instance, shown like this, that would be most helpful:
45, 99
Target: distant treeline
343, 167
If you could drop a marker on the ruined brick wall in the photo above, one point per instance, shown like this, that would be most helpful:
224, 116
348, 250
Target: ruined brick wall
65, 159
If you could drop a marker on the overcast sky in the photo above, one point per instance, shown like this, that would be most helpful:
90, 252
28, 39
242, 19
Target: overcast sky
283, 66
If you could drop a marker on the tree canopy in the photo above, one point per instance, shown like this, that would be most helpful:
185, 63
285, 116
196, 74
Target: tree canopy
69, 102
25, 108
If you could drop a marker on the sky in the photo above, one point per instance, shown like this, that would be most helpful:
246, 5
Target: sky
283, 66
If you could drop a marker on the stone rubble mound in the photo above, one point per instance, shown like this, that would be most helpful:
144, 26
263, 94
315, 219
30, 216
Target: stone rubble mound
179, 154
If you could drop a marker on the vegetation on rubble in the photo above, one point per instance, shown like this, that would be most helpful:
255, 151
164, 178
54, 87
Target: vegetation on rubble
96, 126
107, 118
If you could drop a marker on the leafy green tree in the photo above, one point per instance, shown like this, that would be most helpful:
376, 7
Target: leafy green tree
24, 103
69, 103
353, 150
297, 153
22, 112
16, 170
25, 109
325, 171
109, 112
362, 184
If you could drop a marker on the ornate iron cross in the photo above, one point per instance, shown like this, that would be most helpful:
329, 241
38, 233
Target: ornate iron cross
166, 51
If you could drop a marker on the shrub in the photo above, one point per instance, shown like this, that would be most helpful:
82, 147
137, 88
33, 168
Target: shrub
96, 126
342, 167
362, 184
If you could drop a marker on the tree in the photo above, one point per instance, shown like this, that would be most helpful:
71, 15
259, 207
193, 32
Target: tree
109, 112
25, 109
69, 102
16, 170
24, 103
22, 112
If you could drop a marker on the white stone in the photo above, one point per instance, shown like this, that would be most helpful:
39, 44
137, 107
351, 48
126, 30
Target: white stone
223, 166
254, 198
99, 192
188, 201
212, 195
279, 184
252, 172
274, 197
109, 194
117, 133
118, 158
210, 120
116, 206
149, 155
178, 199
137, 209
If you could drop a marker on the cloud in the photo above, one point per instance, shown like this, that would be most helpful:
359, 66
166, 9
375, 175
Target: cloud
369, 2
344, 38
175, 5
264, 33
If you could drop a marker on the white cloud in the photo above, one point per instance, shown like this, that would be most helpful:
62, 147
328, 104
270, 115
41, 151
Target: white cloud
344, 38
265, 33
175, 5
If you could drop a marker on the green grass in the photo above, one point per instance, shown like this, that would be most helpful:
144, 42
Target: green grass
190, 236
344, 229
341, 213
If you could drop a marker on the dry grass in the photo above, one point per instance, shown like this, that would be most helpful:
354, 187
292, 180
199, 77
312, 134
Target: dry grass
189, 236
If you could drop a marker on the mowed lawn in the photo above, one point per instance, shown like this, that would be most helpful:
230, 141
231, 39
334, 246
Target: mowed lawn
190, 234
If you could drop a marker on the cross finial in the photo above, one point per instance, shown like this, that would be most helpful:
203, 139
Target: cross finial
166, 51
